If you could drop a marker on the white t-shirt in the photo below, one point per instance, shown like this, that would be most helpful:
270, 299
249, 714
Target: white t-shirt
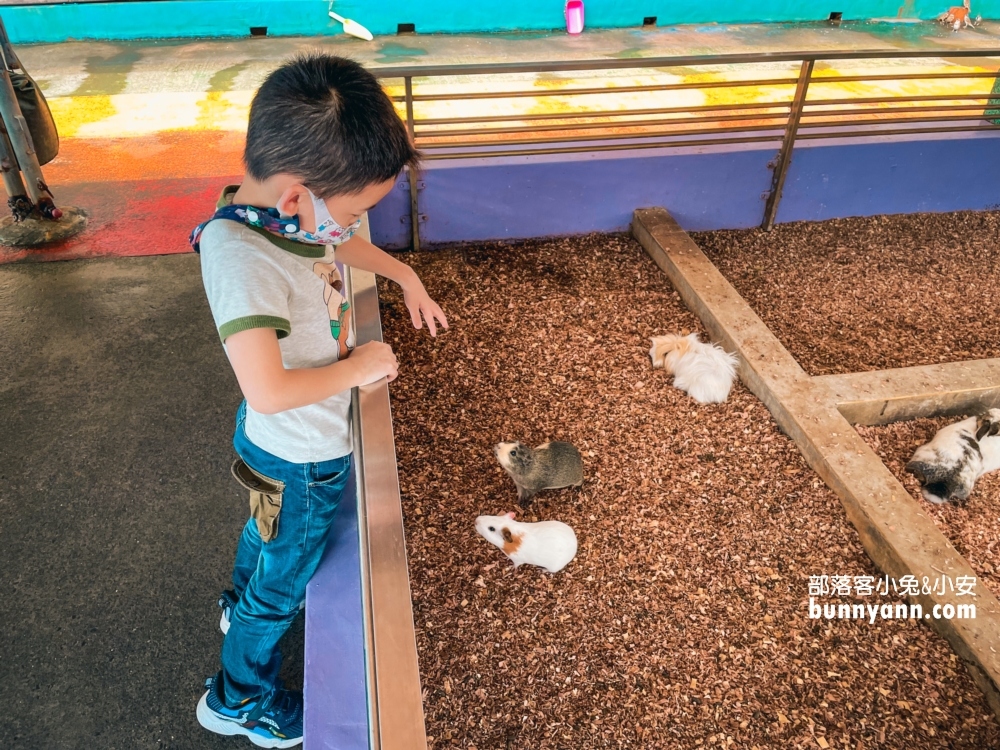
255, 279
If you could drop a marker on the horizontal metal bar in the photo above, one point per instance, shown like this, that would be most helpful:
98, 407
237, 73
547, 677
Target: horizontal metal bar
602, 113
594, 91
735, 83
874, 131
898, 77
892, 110
901, 98
599, 125
608, 136
897, 131
425, 143
894, 121
428, 71
602, 91
602, 148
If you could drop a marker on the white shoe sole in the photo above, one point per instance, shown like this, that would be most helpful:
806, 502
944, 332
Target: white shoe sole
210, 721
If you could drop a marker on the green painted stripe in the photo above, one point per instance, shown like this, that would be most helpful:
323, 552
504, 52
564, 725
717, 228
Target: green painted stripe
233, 18
282, 326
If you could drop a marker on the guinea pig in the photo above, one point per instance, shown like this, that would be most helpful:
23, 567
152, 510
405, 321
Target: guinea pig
547, 467
958, 454
704, 371
547, 544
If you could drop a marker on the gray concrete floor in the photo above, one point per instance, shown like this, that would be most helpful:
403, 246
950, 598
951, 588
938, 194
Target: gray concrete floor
118, 516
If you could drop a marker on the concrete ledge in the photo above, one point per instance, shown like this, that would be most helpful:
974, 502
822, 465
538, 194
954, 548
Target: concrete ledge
896, 533
33, 21
885, 396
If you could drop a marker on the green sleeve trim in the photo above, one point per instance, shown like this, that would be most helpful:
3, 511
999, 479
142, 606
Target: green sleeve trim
281, 326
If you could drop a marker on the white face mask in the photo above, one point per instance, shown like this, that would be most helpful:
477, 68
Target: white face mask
328, 231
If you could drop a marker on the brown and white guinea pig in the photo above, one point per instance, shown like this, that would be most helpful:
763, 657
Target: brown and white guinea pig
547, 467
958, 454
547, 544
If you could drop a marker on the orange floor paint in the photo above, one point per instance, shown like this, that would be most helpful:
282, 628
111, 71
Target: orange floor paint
170, 154
131, 217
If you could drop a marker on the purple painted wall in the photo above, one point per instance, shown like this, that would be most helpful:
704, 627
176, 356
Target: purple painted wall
705, 188
389, 221
947, 172
521, 197
336, 710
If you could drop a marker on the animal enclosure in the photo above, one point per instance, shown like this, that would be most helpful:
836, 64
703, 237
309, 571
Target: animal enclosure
683, 617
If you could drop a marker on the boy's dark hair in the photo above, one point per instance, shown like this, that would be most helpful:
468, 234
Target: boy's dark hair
326, 120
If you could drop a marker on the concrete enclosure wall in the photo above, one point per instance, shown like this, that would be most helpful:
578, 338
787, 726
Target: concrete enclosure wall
55, 22
704, 189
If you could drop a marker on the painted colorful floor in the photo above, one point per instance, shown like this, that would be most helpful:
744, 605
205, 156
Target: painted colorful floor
151, 131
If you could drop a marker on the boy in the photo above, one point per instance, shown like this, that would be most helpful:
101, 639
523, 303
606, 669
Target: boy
324, 145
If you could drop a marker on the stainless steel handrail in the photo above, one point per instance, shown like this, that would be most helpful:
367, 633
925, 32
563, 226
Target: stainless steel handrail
395, 705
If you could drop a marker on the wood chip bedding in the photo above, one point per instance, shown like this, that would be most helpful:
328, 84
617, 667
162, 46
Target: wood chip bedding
683, 621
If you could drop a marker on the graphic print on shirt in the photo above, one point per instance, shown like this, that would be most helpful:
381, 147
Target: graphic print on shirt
338, 307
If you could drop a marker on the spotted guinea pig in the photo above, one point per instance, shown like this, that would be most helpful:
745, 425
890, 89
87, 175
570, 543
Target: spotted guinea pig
548, 544
958, 454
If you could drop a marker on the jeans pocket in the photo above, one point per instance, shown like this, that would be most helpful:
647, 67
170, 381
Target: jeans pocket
265, 498
329, 475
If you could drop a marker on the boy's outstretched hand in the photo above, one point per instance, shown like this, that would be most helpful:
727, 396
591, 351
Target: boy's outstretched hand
422, 307
360, 253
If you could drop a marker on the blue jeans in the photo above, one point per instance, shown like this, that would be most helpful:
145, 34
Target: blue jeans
270, 578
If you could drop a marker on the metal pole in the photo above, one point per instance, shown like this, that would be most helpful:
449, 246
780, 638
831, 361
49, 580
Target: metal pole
17, 199
785, 154
414, 209
20, 139
7, 50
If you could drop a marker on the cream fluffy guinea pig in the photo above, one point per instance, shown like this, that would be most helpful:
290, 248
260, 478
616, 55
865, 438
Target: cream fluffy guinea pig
547, 544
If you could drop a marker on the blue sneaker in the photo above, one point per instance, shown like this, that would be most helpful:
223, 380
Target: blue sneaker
275, 721
227, 600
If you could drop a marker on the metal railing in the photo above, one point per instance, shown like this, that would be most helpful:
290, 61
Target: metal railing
586, 118
395, 705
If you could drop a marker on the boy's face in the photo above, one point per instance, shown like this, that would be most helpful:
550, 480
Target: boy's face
345, 209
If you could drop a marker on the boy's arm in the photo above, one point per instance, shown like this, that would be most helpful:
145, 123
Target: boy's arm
270, 388
359, 253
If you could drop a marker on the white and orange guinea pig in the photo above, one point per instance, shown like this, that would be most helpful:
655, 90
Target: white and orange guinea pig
704, 371
547, 544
